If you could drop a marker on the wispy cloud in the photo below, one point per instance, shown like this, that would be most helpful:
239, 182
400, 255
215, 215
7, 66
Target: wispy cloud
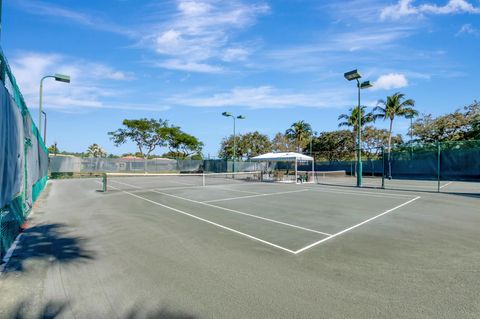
201, 31
390, 81
468, 29
87, 20
93, 84
405, 8
264, 97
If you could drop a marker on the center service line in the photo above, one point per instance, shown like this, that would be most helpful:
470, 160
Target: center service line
231, 210
205, 220
354, 226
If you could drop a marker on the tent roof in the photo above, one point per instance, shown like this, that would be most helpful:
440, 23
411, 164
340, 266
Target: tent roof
288, 156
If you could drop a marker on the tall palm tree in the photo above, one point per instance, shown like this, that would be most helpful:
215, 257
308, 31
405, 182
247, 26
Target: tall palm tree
96, 150
301, 132
395, 106
351, 119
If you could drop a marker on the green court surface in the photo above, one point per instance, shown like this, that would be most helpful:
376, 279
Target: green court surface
247, 250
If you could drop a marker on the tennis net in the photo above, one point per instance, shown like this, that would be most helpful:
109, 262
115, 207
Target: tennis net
132, 181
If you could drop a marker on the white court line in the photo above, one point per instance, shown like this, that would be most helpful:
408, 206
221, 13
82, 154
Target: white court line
9, 254
195, 186
205, 220
232, 210
383, 195
237, 190
355, 226
259, 195
446, 185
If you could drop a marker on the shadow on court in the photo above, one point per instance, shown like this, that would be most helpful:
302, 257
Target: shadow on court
57, 309
50, 243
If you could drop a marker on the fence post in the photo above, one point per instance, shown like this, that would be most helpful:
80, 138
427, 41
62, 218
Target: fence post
383, 167
438, 165
104, 182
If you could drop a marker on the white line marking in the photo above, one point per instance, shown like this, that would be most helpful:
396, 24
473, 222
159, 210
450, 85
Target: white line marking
384, 195
234, 211
355, 226
446, 184
9, 254
205, 220
259, 195
239, 191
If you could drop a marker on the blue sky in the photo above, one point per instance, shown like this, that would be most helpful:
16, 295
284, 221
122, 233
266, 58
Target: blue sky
275, 62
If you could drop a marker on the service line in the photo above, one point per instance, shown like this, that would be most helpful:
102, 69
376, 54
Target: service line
355, 226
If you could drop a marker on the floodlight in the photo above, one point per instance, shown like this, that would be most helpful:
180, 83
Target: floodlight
365, 85
352, 75
62, 78
226, 114
241, 117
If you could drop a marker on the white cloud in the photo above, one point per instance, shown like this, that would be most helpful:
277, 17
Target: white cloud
468, 29
46, 9
91, 82
390, 81
181, 65
201, 31
406, 8
264, 97
235, 54
401, 9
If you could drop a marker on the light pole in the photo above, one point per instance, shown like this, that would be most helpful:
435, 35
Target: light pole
240, 117
45, 128
355, 75
57, 77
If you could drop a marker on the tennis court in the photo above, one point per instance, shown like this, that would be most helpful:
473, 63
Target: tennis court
292, 218
224, 246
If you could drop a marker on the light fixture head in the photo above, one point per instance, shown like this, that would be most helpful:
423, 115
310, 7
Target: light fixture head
241, 117
365, 85
62, 78
227, 114
352, 75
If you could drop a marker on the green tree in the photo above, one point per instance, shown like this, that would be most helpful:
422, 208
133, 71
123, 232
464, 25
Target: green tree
334, 146
457, 126
183, 144
373, 139
95, 150
281, 143
54, 149
301, 133
255, 144
351, 119
247, 145
395, 105
226, 147
147, 134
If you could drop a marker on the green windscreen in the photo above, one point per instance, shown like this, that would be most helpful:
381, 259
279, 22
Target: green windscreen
24, 160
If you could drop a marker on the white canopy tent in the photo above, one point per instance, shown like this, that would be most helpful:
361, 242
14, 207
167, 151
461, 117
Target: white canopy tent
286, 157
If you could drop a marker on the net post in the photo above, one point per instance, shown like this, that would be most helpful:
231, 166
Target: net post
383, 167
104, 182
439, 149
203, 179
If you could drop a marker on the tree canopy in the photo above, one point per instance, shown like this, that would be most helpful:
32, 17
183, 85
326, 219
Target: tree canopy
150, 134
300, 132
95, 150
247, 145
457, 126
